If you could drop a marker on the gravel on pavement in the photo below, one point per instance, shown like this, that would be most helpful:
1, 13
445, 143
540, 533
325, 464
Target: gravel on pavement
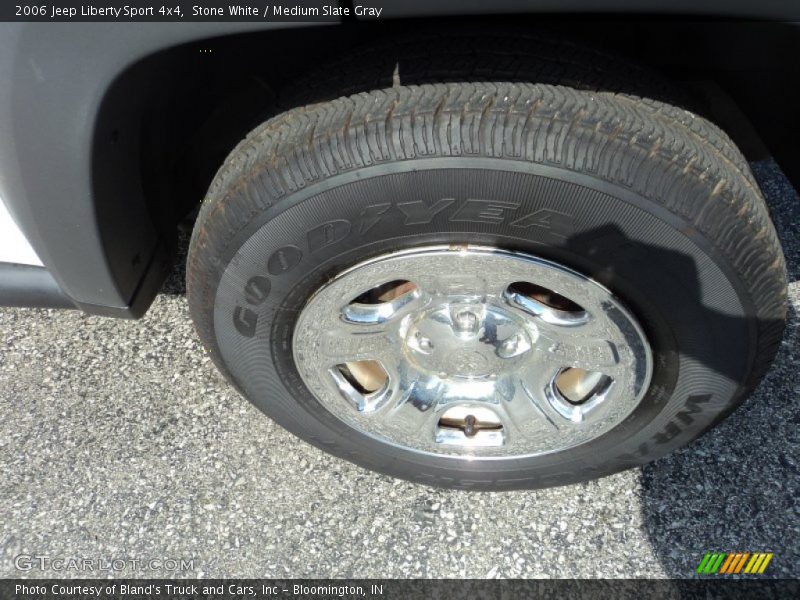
119, 440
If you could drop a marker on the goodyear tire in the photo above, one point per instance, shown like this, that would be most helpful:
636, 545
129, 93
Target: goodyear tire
648, 201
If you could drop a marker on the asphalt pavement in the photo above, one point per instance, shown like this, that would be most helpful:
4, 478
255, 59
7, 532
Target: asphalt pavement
119, 441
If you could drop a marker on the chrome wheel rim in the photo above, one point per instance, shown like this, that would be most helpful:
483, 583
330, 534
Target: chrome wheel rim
471, 352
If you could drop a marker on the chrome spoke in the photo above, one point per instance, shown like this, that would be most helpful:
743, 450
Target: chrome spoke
524, 408
591, 354
409, 413
341, 345
439, 284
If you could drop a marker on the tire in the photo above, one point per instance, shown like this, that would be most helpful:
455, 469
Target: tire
652, 202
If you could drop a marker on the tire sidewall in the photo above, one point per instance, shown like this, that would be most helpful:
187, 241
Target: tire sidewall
666, 274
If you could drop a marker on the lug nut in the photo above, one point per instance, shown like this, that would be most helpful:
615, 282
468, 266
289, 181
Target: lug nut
466, 321
470, 426
513, 346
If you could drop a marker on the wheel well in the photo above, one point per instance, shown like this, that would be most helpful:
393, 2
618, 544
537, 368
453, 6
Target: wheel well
185, 108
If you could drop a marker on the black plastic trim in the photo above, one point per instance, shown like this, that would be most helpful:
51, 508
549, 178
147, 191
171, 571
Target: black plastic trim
155, 274
89, 224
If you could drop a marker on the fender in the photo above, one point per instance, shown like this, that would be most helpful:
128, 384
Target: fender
63, 154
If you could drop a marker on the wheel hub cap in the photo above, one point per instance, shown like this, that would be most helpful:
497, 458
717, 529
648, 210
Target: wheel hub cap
471, 352
466, 340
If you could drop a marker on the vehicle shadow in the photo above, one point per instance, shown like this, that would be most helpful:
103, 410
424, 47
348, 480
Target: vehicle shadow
175, 283
736, 489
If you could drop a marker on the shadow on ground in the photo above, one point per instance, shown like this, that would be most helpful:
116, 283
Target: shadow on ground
737, 488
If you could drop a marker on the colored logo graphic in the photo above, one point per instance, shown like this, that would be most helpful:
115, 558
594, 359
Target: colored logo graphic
733, 563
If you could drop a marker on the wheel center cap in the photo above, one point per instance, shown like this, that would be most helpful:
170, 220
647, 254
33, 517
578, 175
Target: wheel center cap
466, 340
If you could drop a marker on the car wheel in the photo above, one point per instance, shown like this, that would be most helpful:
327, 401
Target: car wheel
489, 285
